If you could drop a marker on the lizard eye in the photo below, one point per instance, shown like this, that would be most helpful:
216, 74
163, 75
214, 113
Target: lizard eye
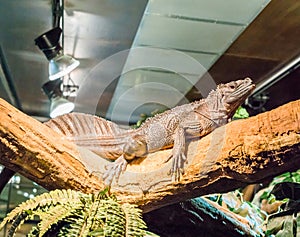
232, 87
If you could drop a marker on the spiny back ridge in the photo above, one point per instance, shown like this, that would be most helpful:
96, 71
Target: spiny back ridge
83, 125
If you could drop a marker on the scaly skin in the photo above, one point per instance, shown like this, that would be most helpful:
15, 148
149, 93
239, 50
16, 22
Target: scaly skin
168, 129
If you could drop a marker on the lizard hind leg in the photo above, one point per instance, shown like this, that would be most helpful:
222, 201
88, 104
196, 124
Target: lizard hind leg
135, 147
114, 170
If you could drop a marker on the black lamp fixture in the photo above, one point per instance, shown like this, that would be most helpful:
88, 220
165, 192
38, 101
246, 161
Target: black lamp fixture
60, 64
59, 105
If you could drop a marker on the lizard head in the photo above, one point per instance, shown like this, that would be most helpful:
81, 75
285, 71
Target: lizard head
234, 93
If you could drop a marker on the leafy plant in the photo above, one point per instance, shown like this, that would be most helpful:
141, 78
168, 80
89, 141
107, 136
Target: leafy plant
284, 190
240, 113
274, 210
234, 202
72, 213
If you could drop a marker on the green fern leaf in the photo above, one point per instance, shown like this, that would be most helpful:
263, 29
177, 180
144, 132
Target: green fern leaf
114, 218
74, 214
55, 215
135, 226
16, 223
33, 232
43, 200
92, 220
76, 227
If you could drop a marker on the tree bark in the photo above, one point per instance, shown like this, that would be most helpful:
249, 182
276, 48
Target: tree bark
242, 152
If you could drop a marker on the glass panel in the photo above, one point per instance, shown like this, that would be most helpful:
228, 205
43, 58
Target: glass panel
18, 190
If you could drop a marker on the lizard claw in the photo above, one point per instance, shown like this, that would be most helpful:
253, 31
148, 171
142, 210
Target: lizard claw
177, 169
114, 170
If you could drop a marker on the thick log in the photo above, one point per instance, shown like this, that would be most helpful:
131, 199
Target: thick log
242, 152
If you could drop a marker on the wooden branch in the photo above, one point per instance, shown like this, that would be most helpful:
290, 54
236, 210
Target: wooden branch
243, 151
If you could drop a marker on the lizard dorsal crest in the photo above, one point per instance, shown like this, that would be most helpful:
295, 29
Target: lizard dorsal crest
84, 125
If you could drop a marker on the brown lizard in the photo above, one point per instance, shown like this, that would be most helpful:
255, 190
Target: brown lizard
168, 129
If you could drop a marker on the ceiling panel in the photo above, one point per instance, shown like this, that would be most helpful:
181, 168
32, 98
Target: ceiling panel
144, 76
229, 11
176, 34
267, 45
273, 35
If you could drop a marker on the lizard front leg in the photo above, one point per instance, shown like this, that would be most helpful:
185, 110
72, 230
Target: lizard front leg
178, 154
188, 128
135, 147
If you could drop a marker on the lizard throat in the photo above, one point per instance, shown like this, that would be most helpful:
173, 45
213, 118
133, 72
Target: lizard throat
217, 112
